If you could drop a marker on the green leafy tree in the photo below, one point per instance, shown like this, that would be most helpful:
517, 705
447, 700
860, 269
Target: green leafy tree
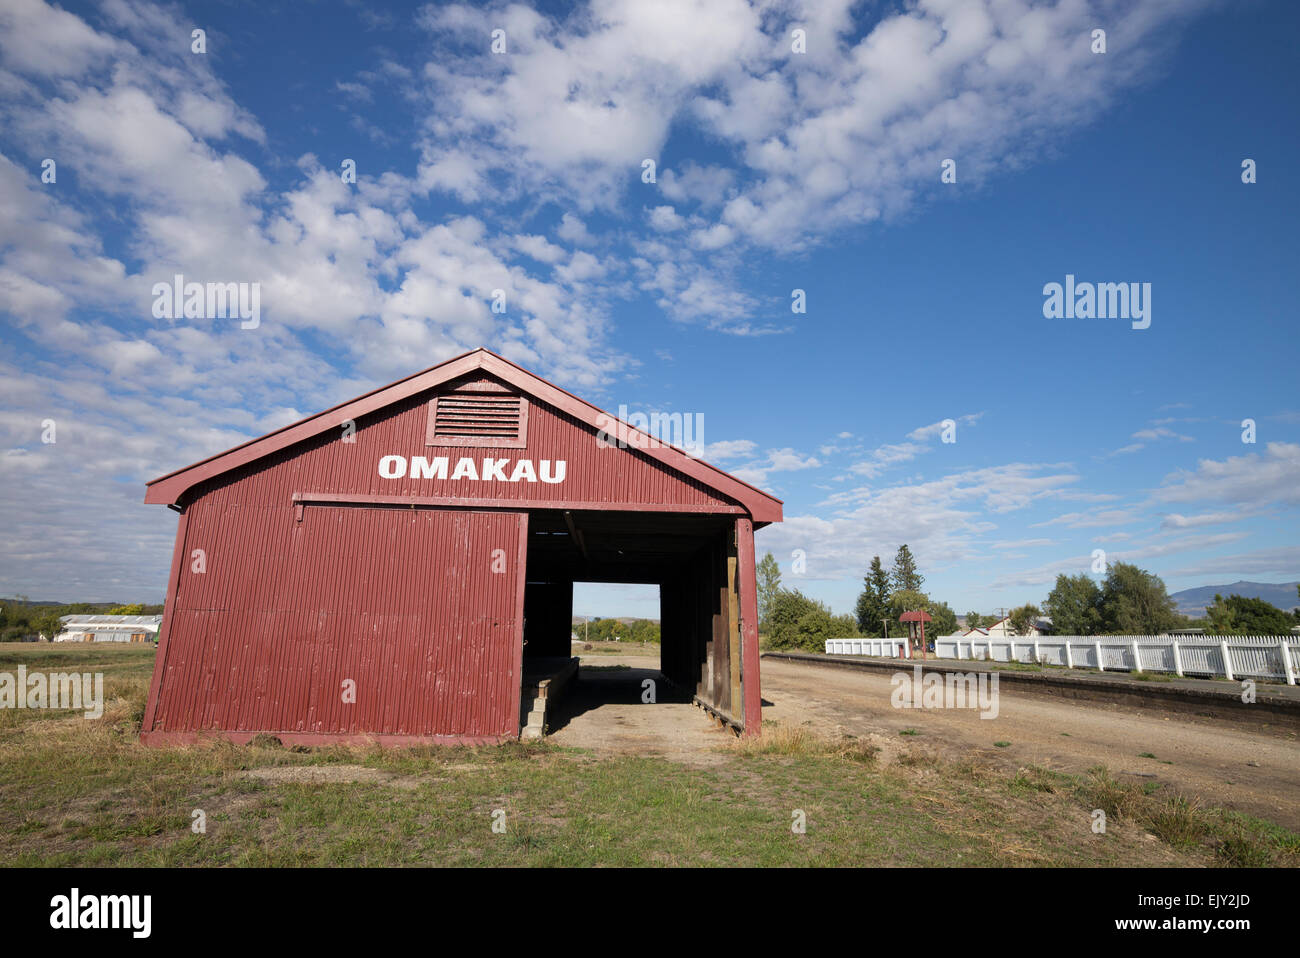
904, 576
794, 618
47, 624
873, 603
845, 627
769, 584
1243, 615
1135, 602
813, 629
18, 616
602, 630
1022, 619
817, 625
608, 630
641, 630
1220, 617
974, 620
136, 609
1075, 605
945, 620
907, 600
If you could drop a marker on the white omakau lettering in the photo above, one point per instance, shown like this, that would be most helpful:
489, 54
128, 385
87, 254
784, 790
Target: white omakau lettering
465, 469
392, 467
524, 469
494, 469
422, 468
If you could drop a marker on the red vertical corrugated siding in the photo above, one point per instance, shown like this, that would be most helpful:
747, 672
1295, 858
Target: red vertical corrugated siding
402, 601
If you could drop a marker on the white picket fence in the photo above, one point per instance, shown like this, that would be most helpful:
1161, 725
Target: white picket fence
1231, 656
885, 647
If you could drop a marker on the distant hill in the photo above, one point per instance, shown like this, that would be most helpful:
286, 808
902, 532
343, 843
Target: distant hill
1194, 601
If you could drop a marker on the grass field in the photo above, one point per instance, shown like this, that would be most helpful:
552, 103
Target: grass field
81, 792
617, 648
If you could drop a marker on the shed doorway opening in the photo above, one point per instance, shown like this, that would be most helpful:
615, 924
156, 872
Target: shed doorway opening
691, 559
617, 632
616, 618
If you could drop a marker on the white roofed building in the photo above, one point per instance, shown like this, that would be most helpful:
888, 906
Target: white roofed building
1002, 629
109, 628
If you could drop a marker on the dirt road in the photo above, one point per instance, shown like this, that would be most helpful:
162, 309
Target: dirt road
1231, 766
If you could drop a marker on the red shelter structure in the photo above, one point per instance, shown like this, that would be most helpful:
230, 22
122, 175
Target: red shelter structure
916, 623
380, 571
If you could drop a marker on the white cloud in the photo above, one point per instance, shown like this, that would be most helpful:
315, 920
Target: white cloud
777, 460
1082, 564
666, 220
1093, 519
1023, 543
937, 428
41, 39
885, 456
728, 449
1282, 561
853, 131
1176, 521
1160, 433
354, 91
539, 248
705, 185
940, 520
574, 230
1255, 479
714, 237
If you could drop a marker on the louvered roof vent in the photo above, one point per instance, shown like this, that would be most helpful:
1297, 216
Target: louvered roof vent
481, 412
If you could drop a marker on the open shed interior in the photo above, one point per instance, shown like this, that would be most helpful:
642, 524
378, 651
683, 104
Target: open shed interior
691, 558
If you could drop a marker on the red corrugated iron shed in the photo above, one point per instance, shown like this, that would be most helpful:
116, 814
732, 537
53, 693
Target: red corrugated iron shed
368, 573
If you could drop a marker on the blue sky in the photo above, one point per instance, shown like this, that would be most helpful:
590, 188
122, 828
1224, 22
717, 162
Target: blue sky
775, 171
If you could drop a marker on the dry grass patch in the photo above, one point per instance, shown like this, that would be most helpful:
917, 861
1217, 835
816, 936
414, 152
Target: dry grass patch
804, 743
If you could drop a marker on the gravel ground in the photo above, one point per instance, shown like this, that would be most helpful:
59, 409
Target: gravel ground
1234, 767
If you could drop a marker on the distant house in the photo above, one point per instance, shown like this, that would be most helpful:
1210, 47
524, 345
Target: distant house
1001, 629
109, 628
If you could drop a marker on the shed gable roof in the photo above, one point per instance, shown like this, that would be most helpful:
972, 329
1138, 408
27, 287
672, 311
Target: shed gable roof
171, 488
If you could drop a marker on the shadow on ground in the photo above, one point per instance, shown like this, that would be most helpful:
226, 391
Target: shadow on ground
597, 688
